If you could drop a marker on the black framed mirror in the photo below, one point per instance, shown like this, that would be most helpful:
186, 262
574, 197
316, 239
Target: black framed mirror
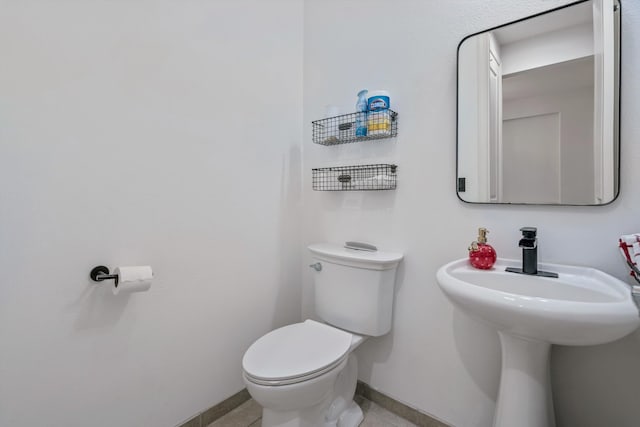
538, 108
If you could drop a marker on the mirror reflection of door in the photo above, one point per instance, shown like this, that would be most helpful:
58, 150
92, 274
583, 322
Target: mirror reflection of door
563, 91
537, 109
531, 159
495, 121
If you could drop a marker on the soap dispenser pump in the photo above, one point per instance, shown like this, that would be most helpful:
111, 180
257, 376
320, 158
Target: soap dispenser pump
481, 254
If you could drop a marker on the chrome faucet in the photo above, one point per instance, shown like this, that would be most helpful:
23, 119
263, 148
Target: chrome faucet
529, 245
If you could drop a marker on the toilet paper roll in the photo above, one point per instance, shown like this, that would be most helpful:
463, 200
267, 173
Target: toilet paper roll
133, 279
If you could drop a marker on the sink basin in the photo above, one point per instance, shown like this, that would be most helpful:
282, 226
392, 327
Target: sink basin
583, 306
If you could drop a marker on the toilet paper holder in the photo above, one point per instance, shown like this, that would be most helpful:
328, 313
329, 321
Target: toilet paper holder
101, 273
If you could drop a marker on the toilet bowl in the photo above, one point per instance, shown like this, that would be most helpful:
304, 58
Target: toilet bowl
304, 375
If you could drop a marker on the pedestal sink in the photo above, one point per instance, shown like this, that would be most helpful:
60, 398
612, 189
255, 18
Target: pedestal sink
583, 306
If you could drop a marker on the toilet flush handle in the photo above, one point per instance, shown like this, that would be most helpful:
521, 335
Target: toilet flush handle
317, 266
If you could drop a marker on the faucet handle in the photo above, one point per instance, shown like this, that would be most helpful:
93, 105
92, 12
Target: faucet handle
529, 232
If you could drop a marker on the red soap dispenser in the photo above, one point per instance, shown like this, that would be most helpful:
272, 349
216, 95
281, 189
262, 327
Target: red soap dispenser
481, 254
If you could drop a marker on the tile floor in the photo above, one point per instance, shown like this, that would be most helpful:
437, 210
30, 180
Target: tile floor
248, 415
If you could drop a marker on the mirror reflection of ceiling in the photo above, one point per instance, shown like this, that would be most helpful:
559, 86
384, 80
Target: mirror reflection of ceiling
551, 79
562, 19
565, 35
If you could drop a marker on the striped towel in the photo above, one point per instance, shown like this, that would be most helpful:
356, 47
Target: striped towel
629, 246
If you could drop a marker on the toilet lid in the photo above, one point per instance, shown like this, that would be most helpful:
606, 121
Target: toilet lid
295, 350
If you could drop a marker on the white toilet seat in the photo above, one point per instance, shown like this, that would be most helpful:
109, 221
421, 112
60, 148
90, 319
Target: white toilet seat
296, 353
295, 380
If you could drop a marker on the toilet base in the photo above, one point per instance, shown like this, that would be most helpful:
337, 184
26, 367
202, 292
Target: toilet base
335, 408
307, 417
351, 417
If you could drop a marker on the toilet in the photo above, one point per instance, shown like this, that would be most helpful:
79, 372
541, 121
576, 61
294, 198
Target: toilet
305, 374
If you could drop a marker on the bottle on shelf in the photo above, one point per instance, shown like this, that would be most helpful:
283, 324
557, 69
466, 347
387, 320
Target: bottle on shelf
361, 111
379, 116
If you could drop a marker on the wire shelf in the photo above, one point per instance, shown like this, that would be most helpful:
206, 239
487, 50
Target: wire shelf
355, 178
343, 129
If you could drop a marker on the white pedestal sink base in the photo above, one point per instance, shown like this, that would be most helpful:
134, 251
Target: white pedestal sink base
582, 306
524, 399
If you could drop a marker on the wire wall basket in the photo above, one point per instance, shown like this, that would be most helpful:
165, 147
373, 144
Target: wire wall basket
355, 178
355, 127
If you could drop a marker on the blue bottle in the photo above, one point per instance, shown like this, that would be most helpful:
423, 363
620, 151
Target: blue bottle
361, 113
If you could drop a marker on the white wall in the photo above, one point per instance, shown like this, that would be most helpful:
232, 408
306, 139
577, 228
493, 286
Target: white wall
436, 358
144, 132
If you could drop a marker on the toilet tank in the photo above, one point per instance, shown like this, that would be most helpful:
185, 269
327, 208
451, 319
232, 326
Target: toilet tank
354, 288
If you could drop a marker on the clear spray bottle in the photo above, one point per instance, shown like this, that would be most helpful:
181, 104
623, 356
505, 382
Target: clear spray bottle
361, 113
